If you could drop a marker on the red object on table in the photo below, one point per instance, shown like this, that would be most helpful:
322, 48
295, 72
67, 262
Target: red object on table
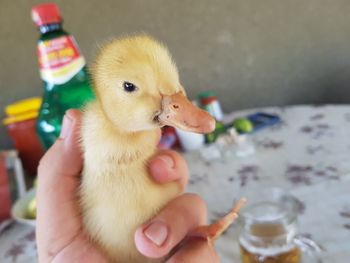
169, 138
21, 125
5, 197
27, 143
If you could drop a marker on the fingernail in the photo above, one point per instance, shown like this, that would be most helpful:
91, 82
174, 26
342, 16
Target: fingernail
157, 232
66, 126
167, 160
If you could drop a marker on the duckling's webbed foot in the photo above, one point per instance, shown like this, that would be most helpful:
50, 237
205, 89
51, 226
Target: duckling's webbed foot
213, 231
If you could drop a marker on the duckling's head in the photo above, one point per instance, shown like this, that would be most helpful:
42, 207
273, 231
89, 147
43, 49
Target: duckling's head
138, 87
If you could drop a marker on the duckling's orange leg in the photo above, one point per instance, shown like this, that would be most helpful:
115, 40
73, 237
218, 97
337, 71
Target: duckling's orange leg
213, 231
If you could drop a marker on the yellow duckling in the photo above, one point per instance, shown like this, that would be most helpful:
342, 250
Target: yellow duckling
138, 90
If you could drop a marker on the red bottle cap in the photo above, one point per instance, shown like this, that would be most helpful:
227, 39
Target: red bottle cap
208, 100
44, 14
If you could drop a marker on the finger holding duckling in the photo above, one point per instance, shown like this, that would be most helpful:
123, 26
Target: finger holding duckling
171, 226
169, 166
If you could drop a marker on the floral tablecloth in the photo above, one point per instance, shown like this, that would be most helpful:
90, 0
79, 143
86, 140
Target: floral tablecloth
308, 153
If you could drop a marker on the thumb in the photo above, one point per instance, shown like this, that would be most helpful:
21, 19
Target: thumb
58, 184
64, 157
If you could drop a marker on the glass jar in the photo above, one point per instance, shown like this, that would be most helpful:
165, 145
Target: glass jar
268, 229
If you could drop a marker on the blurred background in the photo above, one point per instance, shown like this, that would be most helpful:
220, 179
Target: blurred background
255, 58
251, 53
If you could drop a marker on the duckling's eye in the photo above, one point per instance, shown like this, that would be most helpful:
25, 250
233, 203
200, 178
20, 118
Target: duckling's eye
129, 87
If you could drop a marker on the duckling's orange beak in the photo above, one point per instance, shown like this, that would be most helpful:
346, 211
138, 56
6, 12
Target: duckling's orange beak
179, 112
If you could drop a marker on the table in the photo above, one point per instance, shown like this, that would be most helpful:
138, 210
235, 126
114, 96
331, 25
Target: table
308, 154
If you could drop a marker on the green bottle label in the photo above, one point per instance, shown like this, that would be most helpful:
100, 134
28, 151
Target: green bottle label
59, 59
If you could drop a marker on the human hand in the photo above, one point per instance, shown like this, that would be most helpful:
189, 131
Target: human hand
60, 233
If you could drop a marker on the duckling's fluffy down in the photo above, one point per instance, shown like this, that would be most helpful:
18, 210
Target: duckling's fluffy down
119, 136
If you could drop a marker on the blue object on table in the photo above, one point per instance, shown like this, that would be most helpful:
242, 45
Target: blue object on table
262, 120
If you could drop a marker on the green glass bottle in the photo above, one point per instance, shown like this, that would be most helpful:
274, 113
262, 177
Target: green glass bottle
63, 71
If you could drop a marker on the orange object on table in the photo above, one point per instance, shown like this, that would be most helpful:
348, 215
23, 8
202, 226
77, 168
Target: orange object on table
20, 124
